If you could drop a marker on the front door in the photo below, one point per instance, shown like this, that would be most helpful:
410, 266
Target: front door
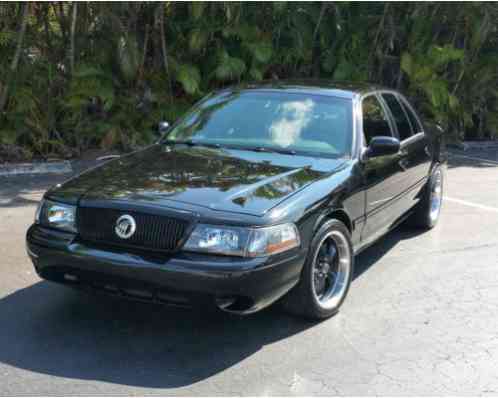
383, 175
415, 153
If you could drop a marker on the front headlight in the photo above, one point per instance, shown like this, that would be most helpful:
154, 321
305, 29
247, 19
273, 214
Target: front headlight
57, 215
244, 242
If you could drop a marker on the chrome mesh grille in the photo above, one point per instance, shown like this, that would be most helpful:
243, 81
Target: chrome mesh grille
154, 232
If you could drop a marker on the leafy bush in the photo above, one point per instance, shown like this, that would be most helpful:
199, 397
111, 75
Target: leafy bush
76, 76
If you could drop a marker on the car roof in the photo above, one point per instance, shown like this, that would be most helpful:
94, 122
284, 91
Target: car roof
342, 89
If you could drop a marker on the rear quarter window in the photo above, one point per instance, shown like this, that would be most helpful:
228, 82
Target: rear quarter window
416, 126
400, 118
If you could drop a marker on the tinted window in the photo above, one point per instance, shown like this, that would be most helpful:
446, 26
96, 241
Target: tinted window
416, 127
303, 123
402, 123
375, 122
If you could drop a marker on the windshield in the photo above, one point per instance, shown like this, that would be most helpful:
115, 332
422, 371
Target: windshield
287, 122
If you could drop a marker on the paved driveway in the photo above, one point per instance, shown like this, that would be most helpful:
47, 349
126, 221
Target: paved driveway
421, 318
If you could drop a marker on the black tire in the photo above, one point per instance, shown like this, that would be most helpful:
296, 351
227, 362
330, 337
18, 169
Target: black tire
423, 216
302, 300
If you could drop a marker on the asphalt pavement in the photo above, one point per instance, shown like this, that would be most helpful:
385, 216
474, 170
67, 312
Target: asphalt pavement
421, 318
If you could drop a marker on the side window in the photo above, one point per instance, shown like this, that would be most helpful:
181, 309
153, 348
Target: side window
416, 126
375, 122
402, 123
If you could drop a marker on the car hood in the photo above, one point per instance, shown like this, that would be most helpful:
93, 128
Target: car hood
220, 179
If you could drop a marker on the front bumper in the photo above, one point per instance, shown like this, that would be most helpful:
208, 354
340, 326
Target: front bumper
233, 284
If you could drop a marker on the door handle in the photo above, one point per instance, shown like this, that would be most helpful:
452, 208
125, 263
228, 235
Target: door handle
404, 164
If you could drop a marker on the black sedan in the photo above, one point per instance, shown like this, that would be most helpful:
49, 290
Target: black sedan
259, 193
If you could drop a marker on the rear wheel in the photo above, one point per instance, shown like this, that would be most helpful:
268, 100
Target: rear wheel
428, 210
326, 275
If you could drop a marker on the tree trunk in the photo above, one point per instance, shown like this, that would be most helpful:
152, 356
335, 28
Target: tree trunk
17, 55
144, 54
164, 50
316, 52
73, 30
61, 20
371, 55
46, 25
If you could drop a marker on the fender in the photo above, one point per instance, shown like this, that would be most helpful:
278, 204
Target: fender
338, 213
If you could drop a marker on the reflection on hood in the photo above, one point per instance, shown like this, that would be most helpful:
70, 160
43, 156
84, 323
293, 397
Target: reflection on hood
215, 178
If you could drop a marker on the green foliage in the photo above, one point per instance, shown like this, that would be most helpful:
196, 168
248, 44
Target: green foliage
425, 74
189, 77
197, 40
261, 51
138, 63
6, 38
87, 83
128, 57
229, 68
197, 9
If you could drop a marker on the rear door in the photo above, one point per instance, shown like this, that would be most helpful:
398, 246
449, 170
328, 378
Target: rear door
414, 155
422, 162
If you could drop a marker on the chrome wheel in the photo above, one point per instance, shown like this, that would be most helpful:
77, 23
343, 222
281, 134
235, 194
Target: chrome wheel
331, 270
436, 195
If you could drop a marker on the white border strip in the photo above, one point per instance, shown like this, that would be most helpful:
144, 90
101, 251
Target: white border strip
474, 158
471, 204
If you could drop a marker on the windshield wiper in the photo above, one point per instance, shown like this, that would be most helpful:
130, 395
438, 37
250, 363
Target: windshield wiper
192, 143
240, 147
267, 149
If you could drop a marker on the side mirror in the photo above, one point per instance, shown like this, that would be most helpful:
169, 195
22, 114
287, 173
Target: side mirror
382, 146
162, 127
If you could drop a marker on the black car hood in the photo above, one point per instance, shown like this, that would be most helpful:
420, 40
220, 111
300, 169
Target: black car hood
220, 179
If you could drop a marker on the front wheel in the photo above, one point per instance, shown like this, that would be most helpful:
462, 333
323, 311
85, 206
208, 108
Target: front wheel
326, 275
